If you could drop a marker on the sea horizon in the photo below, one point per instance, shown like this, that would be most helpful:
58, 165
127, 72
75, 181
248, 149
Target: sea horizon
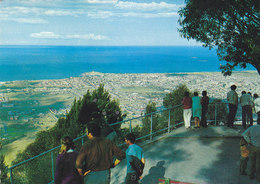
45, 62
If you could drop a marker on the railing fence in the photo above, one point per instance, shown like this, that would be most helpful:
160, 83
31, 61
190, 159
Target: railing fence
168, 120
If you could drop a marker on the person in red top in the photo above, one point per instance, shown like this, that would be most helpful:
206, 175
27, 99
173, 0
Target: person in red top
187, 109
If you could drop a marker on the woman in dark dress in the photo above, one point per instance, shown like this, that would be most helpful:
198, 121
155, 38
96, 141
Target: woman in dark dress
65, 172
204, 109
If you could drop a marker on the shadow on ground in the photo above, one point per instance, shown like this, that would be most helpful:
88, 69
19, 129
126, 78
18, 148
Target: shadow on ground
204, 156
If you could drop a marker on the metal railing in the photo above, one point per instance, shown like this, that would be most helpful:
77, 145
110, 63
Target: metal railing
167, 118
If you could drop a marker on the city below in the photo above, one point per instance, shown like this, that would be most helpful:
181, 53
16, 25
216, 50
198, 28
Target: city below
30, 106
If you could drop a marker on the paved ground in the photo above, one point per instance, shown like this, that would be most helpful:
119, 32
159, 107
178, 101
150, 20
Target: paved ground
202, 156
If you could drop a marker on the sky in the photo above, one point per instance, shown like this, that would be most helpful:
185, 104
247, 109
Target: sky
91, 22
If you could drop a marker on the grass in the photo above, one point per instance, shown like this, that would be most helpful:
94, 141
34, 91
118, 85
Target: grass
28, 105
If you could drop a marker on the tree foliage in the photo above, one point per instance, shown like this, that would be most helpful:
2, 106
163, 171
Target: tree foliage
146, 121
3, 167
161, 120
95, 106
217, 110
232, 26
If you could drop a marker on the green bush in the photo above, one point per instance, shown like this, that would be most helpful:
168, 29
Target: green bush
95, 106
221, 110
3, 167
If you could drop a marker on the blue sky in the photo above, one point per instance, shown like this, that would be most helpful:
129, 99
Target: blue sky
90, 22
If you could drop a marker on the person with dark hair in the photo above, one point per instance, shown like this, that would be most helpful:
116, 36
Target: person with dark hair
187, 109
135, 160
252, 137
246, 104
232, 104
257, 107
66, 172
204, 108
252, 107
196, 109
96, 157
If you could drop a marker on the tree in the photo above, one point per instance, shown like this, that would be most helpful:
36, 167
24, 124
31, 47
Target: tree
146, 121
232, 26
219, 109
3, 167
95, 106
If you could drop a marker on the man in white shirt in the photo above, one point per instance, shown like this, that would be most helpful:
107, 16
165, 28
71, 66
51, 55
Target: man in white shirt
232, 104
246, 104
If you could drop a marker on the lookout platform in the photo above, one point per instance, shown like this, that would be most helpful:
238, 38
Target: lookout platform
201, 156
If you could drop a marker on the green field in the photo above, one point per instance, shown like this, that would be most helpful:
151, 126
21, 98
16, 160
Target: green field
26, 112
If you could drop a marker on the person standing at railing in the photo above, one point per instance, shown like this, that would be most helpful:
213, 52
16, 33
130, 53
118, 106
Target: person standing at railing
257, 107
196, 109
252, 106
135, 160
66, 172
204, 108
245, 101
187, 109
232, 104
96, 157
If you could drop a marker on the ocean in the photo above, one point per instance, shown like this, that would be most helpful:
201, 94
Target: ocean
58, 62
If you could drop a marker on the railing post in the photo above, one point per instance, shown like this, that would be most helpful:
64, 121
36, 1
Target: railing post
130, 126
11, 177
151, 130
52, 164
215, 114
169, 121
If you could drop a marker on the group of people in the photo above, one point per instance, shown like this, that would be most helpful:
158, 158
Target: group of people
196, 107
96, 157
250, 142
248, 104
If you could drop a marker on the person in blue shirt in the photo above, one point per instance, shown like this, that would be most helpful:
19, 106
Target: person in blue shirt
135, 160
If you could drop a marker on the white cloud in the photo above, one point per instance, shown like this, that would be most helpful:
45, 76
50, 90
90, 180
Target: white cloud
51, 35
45, 35
107, 14
62, 12
145, 6
18, 10
102, 1
101, 14
22, 11
23, 20
30, 21
87, 37
150, 15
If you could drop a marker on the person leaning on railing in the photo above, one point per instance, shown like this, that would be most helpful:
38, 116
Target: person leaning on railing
96, 157
245, 101
232, 104
66, 172
187, 109
257, 107
204, 108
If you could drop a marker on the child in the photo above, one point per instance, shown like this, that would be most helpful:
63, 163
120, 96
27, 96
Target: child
244, 156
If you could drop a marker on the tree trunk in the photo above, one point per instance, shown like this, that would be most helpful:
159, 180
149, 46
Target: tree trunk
257, 66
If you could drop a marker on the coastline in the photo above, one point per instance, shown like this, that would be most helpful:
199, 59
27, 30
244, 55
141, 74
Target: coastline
100, 73
133, 91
